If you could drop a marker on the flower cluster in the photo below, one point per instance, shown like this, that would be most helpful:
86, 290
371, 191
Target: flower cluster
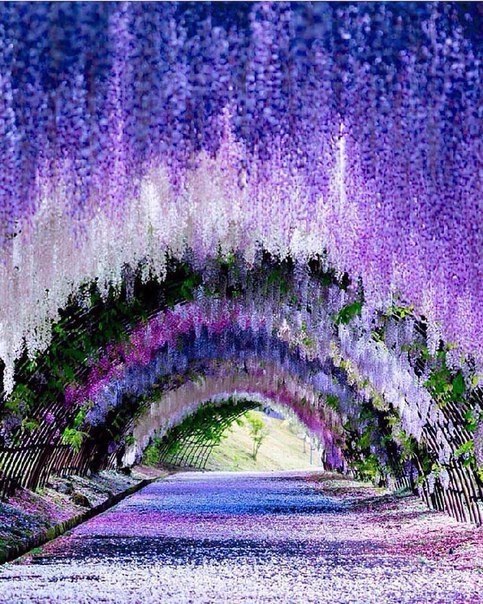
131, 130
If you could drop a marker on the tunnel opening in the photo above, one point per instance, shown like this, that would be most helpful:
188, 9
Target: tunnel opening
233, 435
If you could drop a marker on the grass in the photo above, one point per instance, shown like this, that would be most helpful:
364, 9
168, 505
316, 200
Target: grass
282, 449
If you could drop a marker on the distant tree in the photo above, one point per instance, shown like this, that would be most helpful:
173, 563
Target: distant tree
258, 432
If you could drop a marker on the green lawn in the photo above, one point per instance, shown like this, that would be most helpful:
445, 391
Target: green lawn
282, 449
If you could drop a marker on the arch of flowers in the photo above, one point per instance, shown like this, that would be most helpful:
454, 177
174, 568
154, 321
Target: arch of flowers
195, 189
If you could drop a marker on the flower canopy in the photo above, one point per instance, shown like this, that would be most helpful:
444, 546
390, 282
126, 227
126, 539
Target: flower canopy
340, 141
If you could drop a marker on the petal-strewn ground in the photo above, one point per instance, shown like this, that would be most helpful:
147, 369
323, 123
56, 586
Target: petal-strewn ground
285, 537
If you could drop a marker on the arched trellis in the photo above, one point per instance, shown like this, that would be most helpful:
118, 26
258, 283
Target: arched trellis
234, 328
42, 452
462, 497
260, 382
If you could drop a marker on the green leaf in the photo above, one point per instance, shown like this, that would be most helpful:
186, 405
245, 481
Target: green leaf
465, 449
401, 312
458, 386
332, 402
80, 417
30, 424
348, 312
471, 420
74, 438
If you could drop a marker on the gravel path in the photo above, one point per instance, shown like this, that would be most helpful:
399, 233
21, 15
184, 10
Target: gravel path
285, 537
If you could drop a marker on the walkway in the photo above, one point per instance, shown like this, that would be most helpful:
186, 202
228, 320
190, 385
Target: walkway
287, 537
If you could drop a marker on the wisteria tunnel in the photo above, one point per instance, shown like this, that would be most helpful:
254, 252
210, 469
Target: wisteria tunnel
206, 207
